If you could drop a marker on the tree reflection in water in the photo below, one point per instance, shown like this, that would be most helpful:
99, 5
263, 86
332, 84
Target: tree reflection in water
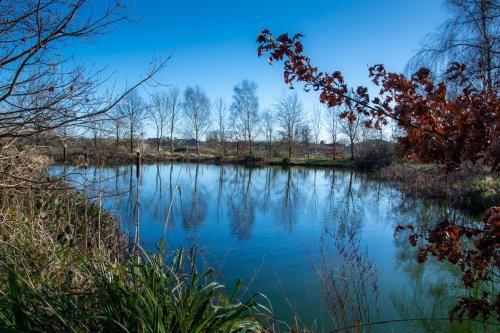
244, 214
434, 286
348, 278
194, 210
241, 203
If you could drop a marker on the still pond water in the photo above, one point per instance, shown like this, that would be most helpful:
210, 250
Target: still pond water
309, 239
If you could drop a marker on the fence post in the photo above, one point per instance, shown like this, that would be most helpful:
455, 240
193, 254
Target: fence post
138, 164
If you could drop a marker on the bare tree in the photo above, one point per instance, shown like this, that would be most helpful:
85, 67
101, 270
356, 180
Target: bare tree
196, 106
332, 118
352, 125
116, 124
132, 108
245, 108
221, 113
174, 109
305, 134
289, 115
235, 132
157, 114
316, 121
351, 129
96, 126
268, 119
471, 36
41, 91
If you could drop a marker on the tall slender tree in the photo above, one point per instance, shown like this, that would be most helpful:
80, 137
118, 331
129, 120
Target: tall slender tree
132, 109
245, 108
471, 36
352, 126
157, 113
316, 124
289, 114
196, 106
332, 119
173, 113
268, 119
221, 114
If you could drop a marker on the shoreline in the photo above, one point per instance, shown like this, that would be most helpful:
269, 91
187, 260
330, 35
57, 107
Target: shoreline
110, 159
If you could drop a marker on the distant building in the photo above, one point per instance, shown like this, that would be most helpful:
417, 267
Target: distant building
185, 145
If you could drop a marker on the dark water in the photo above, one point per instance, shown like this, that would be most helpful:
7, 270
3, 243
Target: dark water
309, 239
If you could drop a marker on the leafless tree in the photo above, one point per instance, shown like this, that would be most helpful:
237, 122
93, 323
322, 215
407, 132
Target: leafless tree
316, 121
351, 129
332, 119
96, 126
116, 124
471, 36
245, 107
221, 114
305, 135
235, 133
157, 114
351, 126
196, 106
268, 119
40, 91
289, 115
174, 110
133, 111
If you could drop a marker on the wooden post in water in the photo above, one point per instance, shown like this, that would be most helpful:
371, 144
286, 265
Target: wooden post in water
137, 203
65, 160
85, 198
138, 164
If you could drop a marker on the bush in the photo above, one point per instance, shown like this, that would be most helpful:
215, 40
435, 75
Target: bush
130, 297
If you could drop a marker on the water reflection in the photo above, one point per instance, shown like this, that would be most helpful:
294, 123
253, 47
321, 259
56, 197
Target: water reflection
283, 221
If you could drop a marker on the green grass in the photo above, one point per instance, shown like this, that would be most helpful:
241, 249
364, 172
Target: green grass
153, 296
66, 268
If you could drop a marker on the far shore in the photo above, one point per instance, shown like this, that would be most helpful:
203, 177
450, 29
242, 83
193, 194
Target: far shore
92, 157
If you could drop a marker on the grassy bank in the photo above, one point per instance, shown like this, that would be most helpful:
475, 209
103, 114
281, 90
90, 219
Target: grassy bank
68, 268
473, 188
119, 157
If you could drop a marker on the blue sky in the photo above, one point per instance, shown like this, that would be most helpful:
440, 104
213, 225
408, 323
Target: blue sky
214, 41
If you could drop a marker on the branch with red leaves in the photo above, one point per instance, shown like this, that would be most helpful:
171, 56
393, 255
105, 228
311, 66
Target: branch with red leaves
476, 251
438, 128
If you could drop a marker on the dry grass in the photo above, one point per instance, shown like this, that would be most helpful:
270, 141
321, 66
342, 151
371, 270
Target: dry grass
473, 187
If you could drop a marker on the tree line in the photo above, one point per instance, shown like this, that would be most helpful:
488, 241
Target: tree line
240, 123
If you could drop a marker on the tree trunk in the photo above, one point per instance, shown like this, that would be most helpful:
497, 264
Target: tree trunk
486, 47
289, 149
334, 145
131, 142
352, 150
171, 141
270, 148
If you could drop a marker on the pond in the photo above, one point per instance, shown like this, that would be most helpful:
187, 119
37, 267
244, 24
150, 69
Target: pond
319, 243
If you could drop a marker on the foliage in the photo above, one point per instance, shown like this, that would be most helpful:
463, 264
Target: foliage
66, 268
466, 127
475, 251
130, 297
440, 126
472, 188
245, 111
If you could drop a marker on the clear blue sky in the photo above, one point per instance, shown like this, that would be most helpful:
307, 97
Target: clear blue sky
215, 47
